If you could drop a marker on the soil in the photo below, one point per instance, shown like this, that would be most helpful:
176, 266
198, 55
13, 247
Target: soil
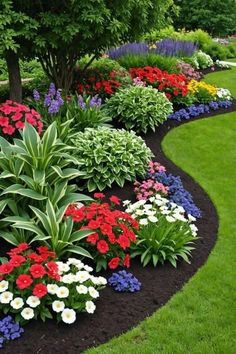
116, 312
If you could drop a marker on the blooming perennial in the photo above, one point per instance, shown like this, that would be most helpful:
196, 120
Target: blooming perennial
123, 281
114, 231
9, 330
13, 116
34, 285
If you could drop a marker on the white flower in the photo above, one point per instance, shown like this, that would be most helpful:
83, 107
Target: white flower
62, 292
152, 199
68, 316
82, 276
33, 301
170, 218
98, 280
165, 212
90, 307
52, 288
3, 285
152, 218
179, 217
147, 206
143, 221
194, 229
139, 212
93, 292
6, 297
63, 267
68, 278
88, 269
150, 212
17, 303
58, 306
73, 261
191, 218
27, 313
81, 289
126, 202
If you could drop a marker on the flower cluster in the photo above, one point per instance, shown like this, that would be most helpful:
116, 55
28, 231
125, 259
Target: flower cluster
93, 102
13, 116
202, 91
32, 282
189, 71
196, 110
138, 82
223, 94
221, 64
123, 281
175, 48
113, 231
149, 187
9, 330
52, 100
173, 85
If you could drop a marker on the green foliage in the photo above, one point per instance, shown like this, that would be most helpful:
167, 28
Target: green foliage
34, 170
29, 69
139, 108
217, 17
103, 65
141, 60
110, 156
218, 51
202, 59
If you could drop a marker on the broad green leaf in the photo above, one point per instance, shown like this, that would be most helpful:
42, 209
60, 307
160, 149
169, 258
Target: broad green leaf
79, 235
79, 250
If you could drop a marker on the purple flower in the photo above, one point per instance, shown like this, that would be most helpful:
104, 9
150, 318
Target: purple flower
95, 101
129, 48
175, 48
123, 281
47, 100
52, 89
81, 102
9, 330
36, 95
54, 107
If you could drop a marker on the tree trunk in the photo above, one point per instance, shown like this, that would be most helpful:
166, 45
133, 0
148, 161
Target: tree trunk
13, 68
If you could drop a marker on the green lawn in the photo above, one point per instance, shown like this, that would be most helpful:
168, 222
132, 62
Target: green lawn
200, 319
226, 79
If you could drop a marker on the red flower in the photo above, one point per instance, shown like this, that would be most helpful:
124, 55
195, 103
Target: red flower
124, 242
40, 290
23, 246
115, 200
9, 130
127, 261
99, 195
37, 271
20, 125
106, 229
102, 246
52, 266
42, 249
4, 121
93, 238
93, 224
114, 263
24, 281
17, 260
35, 257
6, 268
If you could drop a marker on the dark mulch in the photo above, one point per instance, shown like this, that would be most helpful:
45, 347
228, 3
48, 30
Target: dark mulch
215, 69
117, 313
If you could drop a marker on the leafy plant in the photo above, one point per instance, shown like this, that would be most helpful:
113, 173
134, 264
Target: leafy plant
164, 234
139, 108
109, 156
33, 171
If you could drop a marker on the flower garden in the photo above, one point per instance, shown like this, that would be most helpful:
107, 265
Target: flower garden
98, 227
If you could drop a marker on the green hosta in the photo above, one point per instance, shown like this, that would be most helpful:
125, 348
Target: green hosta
110, 156
165, 234
139, 108
32, 171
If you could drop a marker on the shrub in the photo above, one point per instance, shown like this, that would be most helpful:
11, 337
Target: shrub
217, 51
139, 108
34, 285
168, 64
204, 60
164, 233
103, 65
107, 156
14, 115
113, 231
173, 85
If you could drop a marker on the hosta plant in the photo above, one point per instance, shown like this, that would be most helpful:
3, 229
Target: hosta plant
108, 156
113, 231
139, 108
33, 170
33, 285
165, 234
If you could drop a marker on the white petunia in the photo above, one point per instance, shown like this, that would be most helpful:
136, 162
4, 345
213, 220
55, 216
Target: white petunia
126, 202
68, 278
170, 218
82, 276
52, 288
152, 199
68, 316
62, 292
143, 221
191, 218
27, 313
147, 206
179, 217
139, 212
33, 301
6, 297
98, 280
81, 289
93, 292
58, 306
63, 267
3, 285
88, 268
152, 218
165, 212
73, 261
90, 307
150, 212
17, 303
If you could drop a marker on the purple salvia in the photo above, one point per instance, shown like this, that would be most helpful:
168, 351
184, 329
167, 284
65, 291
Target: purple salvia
54, 107
81, 102
95, 102
47, 100
36, 95
52, 89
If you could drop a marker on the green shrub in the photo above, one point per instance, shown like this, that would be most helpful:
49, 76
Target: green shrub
108, 156
103, 65
217, 51
139, 108
29, 69
141, 60
164, 233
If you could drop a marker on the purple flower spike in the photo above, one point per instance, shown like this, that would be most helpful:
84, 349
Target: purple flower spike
95, 102
81, 102
36, 95
47, 100
52, 89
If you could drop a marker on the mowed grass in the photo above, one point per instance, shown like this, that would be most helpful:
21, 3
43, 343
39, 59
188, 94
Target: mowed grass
200, 319
225, 79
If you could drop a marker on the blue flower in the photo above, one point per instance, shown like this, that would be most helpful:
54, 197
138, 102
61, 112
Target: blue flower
123, 281
9, 330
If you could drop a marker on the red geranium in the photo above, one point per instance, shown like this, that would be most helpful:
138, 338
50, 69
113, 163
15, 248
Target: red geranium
115, 200
102, 246
114, 263
24, 281
37, 271
6, 268
93, 238
17, 260
127, 261
40, 290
